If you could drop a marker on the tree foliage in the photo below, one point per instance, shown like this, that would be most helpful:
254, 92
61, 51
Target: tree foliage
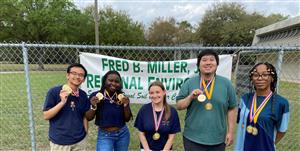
168, 32
61, 21
230, 24
41, 20
162, 31
116, 27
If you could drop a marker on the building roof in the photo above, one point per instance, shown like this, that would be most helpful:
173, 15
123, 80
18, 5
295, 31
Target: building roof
283, 33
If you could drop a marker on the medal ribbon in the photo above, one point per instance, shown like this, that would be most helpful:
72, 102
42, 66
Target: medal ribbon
206, 86
75, 93
209, 94
254, 113
110, 98
157, 123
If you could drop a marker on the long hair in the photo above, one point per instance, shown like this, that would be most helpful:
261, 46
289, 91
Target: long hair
104, 78
167, 107
272, 70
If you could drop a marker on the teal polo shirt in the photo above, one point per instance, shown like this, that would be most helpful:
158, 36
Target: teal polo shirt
208, 127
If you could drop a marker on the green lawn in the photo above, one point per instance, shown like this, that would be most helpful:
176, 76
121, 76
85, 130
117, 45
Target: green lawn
14, 123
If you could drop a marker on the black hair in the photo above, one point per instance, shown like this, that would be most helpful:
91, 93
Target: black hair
104, 78
272, 70
79, 66
205, 53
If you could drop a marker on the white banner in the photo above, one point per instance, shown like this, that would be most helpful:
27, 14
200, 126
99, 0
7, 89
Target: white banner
138, 75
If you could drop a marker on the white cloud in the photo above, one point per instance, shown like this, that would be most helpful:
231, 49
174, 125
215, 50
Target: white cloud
146, 11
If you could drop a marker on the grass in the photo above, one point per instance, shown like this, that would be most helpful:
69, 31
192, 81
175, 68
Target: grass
14, 131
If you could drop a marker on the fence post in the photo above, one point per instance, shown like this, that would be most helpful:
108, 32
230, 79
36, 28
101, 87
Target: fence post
278, 67
29, 97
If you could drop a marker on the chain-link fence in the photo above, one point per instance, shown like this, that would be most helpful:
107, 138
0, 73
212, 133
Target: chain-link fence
21, 120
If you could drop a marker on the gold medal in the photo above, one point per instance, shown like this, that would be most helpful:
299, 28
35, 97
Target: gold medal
249, 129
208, 106
120, 97
67, 88
99, 95
254, 131
156, 136
201, 98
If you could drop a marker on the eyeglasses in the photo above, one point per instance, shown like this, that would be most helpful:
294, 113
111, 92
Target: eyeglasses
80, 75
264, 76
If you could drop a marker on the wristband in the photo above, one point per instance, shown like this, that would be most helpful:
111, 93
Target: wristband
93, 108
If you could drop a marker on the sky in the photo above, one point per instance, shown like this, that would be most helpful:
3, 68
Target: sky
146, 11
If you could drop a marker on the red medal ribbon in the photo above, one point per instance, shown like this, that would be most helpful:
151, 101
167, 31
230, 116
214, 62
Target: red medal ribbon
254, 113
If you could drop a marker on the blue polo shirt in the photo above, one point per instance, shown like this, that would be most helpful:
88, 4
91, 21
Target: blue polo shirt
109, 114
66, 127
268, 124
145, 123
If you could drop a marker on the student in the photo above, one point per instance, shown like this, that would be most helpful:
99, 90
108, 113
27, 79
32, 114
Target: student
210, 101
263, 114
65, 108
157, 121
112, 111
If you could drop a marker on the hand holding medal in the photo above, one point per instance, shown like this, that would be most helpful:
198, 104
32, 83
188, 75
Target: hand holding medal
195, 93
100, 96
67, 89
201, 98
120, 97
65, 92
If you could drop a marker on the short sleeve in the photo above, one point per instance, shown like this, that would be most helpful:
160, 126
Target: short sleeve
232, 100
51, 100
282, 125
139, 120
87, 103
175, 122
184, 91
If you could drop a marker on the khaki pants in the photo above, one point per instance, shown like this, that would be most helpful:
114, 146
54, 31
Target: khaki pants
80, 146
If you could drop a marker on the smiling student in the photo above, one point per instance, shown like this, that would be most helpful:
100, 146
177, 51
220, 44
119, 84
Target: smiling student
157, 121
210, 101
112, 111
65, 107
263, 114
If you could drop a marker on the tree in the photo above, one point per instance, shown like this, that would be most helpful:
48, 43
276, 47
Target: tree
185, 33
41, 21
169, 32
162, 31
116, 27
230, 24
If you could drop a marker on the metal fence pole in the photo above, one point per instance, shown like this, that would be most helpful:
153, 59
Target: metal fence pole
29, 98
278, 67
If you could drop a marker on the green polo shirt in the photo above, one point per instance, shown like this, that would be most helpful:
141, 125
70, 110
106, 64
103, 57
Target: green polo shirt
203, 126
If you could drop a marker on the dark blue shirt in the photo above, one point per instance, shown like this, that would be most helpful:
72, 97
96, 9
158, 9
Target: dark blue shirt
145, 123
273, 118
66, 127
108, 113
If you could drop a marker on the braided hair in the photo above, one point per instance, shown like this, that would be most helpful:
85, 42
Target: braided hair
272, 70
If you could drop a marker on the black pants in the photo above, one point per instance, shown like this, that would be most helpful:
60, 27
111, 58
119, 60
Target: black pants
192, 146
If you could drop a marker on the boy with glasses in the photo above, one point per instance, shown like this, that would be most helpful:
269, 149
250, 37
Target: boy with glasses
65, 107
